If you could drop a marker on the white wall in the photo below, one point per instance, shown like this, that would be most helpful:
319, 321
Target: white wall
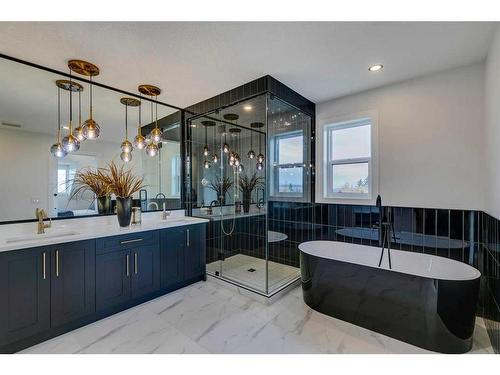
431, 137
492, 128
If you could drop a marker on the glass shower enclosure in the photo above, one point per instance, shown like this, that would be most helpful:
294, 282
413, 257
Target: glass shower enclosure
242, 158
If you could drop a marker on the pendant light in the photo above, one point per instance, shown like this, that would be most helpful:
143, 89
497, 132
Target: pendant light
140, 140
126, 145
260, 158
155, 135
78, 131
253, 125
236, 161
226, 148
70, 143
57, 149
90, 128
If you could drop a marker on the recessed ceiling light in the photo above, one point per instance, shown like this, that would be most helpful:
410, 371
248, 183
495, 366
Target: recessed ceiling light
247, 107
375, 68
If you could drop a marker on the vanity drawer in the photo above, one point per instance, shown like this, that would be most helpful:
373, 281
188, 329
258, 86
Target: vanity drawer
125, 241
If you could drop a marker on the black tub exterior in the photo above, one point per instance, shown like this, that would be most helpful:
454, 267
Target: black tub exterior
437, 315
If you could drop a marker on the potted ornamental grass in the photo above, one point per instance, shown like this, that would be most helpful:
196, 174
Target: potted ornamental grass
91, 180
221, 187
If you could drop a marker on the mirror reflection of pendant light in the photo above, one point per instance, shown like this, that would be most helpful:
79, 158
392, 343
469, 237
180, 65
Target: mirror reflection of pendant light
260, 158
236, 161
70, 143
215, 158
206, 124
90, 128
126, 145
225, 147
153, 137
57, 149
140, 140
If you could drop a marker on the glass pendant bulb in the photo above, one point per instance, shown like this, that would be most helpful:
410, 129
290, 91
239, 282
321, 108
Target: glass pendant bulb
231, 162
126, 156
236, 160
240, 168
205, 150
251, 154
260, 166
231, 156
156, 135
206, 164
126, 146
57, 150
78, 133
215, 159
70, 143
225, 148
91, 129
260, 158
139, 142
152, 149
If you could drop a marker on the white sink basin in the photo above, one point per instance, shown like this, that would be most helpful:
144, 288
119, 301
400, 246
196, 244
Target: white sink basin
40, 237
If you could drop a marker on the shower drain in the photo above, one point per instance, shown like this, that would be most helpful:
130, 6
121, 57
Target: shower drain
252, 270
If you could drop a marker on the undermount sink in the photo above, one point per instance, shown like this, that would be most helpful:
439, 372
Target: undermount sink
40, 237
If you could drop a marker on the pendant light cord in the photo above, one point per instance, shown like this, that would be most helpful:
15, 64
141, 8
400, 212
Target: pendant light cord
58, 114
126, 122
70, 103
140, 117
91, 101
79, 109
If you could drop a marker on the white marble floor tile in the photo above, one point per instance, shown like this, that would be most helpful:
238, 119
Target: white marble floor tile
207, 317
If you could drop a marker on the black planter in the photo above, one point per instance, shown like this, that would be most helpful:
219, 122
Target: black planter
124, 210
103, 205
247, 197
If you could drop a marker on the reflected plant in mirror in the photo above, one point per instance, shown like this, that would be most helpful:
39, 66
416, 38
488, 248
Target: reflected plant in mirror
247, 185
94, 181
221, 187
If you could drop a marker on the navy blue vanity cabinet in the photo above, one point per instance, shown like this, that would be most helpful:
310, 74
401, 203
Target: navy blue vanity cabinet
146, 270
127, 268
25, 294
172, 247
195, 251
72, 281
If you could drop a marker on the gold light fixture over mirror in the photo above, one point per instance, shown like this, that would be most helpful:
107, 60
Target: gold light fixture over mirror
126, 145
90, 128
155, 134
70, 143
140, 140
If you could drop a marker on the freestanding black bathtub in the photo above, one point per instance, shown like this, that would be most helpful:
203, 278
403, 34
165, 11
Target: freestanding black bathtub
425, 300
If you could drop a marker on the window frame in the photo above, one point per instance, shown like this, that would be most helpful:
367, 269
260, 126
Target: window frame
330, 162
324, 171
276, 166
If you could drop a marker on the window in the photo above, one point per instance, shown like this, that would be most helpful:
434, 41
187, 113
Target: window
288, 164
176, 176
348, 159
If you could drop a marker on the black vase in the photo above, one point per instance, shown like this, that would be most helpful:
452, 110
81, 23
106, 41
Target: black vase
103, 205
247, 197
124, 210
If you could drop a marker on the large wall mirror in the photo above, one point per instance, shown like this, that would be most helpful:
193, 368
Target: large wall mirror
32, 178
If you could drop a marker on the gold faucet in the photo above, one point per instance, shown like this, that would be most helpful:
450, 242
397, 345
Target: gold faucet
41, 215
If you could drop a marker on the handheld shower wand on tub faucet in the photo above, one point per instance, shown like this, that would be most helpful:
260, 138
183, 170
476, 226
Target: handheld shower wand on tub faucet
385, 230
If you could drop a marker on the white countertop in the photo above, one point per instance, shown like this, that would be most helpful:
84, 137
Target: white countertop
23, 235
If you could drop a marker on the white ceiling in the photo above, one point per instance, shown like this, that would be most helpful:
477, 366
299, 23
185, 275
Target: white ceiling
194, 61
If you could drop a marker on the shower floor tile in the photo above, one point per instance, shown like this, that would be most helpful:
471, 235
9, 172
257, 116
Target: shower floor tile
250, 271
207, 317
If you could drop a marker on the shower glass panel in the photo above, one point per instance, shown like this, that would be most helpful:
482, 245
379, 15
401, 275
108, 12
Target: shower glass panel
230, 181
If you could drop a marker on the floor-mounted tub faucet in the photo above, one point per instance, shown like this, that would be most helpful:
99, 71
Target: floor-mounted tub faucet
385, 231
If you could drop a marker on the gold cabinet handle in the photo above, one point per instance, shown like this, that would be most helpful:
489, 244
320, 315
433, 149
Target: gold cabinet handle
131, 241
128, 266
135, 263
57, 263
44, 265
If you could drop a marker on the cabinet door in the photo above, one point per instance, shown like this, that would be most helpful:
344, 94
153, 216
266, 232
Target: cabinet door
194, 254
172, 247
113, 271
72, 281
25, 293
145, 270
